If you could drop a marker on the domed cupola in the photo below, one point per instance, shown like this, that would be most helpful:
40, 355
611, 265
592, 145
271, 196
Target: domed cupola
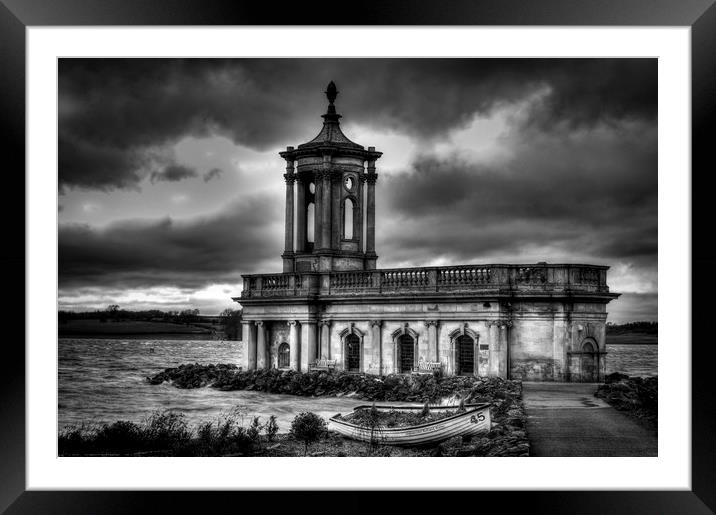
331, 134
332, 206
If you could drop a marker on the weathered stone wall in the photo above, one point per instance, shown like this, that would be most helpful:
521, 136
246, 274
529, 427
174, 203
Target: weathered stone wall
531, 351
536, 341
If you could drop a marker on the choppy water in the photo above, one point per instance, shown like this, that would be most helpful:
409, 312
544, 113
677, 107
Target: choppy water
633, 360
103, 380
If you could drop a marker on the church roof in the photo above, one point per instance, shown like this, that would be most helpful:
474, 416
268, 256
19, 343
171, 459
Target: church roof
331, 134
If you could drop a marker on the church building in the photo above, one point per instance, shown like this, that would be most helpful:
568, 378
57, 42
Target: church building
536, 322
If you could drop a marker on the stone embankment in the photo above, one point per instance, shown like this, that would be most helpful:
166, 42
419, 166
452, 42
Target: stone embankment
507, 437
636, 396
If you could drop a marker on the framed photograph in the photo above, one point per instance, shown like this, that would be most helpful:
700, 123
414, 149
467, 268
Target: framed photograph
441, 237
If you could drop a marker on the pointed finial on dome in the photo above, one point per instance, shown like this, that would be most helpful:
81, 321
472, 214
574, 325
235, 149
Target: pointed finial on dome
331, 92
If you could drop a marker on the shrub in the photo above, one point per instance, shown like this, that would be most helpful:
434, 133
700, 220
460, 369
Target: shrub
166, 429
254, 431
271, 428
308, 428
119, 436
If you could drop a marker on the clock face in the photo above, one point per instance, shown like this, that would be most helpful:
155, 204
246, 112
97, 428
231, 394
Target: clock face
349, 183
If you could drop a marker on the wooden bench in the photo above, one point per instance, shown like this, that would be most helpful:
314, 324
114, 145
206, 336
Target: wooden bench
428, 367
323, 364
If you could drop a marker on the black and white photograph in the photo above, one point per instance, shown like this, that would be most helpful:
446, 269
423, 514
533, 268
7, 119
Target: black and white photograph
357, 257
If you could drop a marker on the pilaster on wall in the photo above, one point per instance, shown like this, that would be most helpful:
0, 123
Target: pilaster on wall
433, 351
261, 348
324, 350
498, 367
560, 344
377, 344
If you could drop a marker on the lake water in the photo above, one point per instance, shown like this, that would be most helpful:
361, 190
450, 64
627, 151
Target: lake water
103, 380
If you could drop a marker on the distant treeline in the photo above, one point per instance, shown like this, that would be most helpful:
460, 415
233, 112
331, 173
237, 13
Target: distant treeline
633, 327
230, 319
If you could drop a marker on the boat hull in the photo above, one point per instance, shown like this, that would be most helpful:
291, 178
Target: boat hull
473, 421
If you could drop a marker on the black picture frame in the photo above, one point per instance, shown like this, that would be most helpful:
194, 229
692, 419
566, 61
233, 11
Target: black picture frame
700, 15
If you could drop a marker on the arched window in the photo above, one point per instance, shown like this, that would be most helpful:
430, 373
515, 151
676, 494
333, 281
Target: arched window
348, 219
353, 353
284, 355
310, 222
465, 355
407, 353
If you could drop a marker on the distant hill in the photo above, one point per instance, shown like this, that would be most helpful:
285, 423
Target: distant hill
91, 327
634, 333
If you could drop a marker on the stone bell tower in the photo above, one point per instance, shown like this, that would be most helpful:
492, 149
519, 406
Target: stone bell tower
334, 201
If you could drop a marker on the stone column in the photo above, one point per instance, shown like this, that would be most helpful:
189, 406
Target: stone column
433, 354
377, 343
301, 216
245, 336
294, 344
318, 211
325, 208
371, 257
288, 246
261, 360
250, 331
308, 343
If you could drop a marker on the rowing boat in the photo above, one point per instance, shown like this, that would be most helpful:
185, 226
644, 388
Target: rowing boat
474, 420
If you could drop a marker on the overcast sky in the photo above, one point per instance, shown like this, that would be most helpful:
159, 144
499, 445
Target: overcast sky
171, 186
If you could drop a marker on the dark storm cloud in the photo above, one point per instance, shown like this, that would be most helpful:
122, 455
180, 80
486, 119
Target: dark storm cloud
167, 252
214, 173
115, 112
593, 194
173, 173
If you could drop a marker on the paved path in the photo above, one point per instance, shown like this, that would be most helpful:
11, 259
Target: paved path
566, 419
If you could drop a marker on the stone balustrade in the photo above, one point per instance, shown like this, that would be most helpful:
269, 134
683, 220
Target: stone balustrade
561, 278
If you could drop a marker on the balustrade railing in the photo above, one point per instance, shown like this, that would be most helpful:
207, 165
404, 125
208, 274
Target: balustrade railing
464, 275
404, 278
431, 279
353, 279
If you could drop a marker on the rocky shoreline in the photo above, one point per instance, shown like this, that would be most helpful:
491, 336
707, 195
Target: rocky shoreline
638, 397
507, 437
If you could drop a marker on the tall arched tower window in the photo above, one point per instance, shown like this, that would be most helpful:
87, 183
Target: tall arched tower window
310, 222
348, 219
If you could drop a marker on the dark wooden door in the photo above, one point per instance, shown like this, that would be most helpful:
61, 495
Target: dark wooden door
353, 352
589, 367
407, 353
466, 355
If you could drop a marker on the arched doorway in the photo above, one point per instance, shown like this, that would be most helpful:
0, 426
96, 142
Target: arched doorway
589, 363
406, 347
352, 353
465, 355
284, 355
